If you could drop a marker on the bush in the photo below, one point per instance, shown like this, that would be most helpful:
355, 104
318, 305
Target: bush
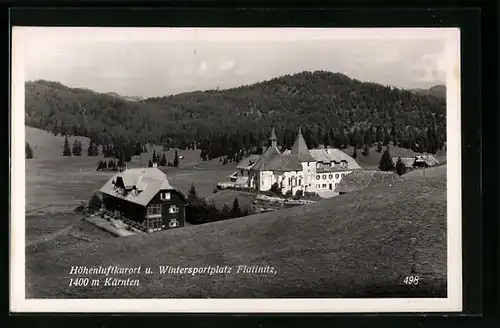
95, 203
288, 193
275, 188
80, 208
299, 194
216, 190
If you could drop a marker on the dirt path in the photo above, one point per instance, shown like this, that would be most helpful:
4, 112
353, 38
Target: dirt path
50, 236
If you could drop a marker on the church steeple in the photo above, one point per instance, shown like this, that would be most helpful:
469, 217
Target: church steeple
300, 150
273, 139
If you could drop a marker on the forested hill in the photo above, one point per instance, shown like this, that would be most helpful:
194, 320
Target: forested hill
437, 90
330, 107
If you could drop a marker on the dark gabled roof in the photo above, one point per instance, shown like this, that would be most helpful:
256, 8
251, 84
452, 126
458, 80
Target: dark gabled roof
283, 163
265, 158
300, 150
248, 162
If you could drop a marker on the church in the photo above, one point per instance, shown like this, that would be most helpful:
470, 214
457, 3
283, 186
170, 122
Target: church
300, 168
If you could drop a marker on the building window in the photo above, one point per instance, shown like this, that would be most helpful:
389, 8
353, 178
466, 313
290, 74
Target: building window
154, 209
317, 177
324, 185
154, 224
173, 209
330, 176
324, 176
342, 174
318, 186
300, 182
165, 196
173, 223
336, 176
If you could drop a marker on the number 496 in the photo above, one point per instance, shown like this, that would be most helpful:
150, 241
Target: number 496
411, 280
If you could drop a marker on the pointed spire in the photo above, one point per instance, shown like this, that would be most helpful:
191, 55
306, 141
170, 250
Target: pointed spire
300, 149
273, 135
273, 138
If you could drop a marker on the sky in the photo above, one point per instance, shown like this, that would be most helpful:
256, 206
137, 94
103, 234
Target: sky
151, 62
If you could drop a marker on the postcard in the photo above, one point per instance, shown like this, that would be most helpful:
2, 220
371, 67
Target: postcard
235, 170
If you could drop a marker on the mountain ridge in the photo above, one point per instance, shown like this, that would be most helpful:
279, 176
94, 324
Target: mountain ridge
321, 102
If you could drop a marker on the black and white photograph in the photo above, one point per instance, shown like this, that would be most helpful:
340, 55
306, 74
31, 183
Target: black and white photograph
236, 169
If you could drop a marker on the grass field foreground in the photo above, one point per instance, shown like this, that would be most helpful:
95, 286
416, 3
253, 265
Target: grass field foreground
361, 244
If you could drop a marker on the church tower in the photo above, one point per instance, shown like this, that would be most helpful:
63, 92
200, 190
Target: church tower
273, 139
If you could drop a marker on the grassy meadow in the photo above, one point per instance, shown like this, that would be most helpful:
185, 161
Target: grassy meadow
361, 244
55, 185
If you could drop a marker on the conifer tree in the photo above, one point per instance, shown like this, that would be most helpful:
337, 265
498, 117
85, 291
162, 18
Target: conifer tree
192, 194
236, 211
153, 157
226, 214
121, 161
386, 163
92, 150
28, 151
379, 146
163, 160
75, 148
138, 149
366, 150
66, 150
176, 159
400, 167
354, 153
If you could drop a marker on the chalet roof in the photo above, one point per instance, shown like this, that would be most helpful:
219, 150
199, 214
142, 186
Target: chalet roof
265, 158
329, 155
247, 162
300, 150
148, 181
362, 179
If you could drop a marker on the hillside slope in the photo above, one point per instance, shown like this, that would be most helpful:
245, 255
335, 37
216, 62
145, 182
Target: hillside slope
45, 145
321, 102
436, 91
361, 244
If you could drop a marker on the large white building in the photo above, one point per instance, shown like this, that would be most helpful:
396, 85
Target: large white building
300, 168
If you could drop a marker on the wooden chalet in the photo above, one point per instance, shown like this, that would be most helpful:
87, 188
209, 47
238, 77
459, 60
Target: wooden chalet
145, 196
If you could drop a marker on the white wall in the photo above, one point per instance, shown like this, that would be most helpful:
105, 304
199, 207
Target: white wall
327, 178
266, 180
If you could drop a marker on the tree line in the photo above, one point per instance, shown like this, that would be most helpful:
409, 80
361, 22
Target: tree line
162, 160
199, 212
331, 108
